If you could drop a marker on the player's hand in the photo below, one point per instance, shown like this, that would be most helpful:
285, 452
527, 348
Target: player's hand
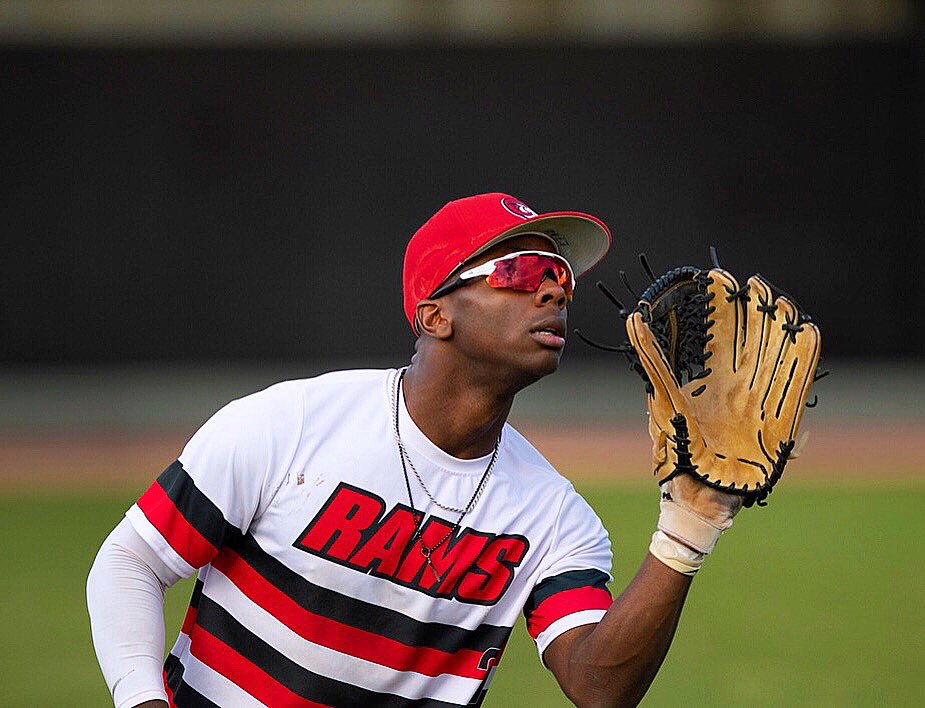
729, 369
695, 514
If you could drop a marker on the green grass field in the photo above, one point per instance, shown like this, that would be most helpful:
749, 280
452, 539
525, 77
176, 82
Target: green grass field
814, 601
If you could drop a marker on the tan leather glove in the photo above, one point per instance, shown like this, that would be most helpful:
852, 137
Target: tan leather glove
729, 371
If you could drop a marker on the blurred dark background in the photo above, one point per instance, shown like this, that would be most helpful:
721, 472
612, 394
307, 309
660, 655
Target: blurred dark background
242, 200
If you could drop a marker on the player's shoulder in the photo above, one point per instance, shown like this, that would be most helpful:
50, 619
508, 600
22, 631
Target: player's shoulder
531, 465
340, 383
346, 389
348, 380
287, 401
534, 481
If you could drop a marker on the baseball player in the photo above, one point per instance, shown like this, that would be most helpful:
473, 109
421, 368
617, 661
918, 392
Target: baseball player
370, 537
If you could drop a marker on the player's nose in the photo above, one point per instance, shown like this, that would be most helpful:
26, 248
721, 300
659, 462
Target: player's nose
550, 291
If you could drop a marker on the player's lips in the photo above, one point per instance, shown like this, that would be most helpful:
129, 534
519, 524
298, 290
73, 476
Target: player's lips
550, 332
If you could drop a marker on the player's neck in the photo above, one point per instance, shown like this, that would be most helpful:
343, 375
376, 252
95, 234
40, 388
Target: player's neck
459, 410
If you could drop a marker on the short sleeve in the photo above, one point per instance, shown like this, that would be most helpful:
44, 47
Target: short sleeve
222, 480
572, 587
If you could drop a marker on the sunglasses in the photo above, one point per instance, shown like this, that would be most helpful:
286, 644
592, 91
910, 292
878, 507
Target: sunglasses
523, 270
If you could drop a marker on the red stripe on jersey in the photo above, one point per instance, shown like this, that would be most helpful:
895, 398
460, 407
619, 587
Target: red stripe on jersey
221, 658
163, 514
189, 621
169, 693
341, 637
564, 603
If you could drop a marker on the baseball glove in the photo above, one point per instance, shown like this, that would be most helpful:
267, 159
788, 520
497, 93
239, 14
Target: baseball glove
728, 369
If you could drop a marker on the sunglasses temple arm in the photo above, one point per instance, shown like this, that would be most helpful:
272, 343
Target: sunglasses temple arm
447, 289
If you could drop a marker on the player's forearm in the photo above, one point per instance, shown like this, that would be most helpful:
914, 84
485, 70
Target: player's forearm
125, 601
614, 664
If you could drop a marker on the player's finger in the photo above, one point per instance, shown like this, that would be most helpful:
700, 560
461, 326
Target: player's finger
659, 439
665, 385
805, 351
760, 316
782, 406
726, 311
778, 361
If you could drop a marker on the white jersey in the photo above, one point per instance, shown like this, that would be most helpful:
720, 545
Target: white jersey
312, 586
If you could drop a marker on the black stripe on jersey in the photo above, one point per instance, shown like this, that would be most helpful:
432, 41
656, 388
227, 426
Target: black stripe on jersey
197, 593
196, 507
565, 581
307, 684
173, 672
188, 697
183, 694
364, 615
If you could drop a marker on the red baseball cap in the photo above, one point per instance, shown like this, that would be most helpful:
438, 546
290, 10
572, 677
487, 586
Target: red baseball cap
464, 228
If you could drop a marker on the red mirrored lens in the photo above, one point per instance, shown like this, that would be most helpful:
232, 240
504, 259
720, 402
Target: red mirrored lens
527, 273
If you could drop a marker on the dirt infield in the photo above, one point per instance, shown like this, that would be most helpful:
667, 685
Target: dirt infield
857, 451
70, 461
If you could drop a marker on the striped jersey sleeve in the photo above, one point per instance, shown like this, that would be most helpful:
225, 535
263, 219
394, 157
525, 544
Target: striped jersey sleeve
222, 480
572, 588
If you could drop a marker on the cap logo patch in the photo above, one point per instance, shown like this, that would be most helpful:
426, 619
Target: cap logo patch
512, 206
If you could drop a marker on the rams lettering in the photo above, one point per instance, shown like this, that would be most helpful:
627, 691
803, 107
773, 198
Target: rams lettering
353, 530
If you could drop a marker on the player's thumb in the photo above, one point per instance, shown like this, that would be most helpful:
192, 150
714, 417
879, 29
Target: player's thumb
664, 385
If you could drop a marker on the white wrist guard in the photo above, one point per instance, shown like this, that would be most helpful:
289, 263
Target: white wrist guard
683, 523
675, 554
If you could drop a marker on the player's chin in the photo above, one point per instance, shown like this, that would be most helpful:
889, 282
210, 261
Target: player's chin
544, 362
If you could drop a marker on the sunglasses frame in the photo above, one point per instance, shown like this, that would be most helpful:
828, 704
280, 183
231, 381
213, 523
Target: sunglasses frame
488, 267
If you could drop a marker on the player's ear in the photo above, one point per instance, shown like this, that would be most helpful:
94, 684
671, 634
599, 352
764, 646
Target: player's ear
433, 319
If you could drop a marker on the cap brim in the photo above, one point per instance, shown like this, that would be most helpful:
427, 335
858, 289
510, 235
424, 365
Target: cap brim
581, 239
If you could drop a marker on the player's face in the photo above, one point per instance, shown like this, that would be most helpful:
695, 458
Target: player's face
522, 332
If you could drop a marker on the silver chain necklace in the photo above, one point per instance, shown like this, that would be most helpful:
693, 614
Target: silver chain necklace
406, 463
